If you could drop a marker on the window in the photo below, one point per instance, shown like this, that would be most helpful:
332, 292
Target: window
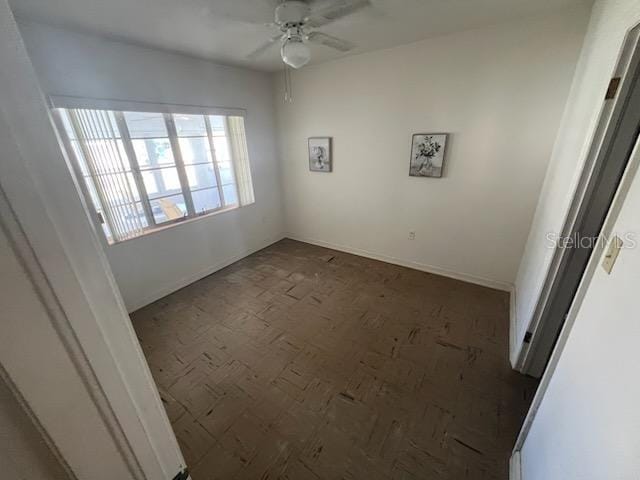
145, 170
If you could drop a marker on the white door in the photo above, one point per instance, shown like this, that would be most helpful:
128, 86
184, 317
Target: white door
67, 342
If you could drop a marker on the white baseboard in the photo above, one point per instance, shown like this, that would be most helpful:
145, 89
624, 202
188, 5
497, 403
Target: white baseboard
184, 281
515, 467
485, 282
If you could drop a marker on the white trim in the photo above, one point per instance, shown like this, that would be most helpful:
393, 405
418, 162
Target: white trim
617, 203
28, 411
465, 277
591, 150
594, 261
189, 279
515, 467
24, 252
168, 225
66, 101
513, 329
70, 267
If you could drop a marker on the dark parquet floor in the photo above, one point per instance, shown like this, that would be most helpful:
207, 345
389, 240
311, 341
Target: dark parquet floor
299, 362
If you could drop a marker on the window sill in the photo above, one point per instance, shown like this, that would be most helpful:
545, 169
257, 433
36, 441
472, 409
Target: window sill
177, 223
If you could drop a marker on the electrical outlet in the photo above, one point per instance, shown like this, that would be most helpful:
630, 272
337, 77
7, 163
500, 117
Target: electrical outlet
412, 235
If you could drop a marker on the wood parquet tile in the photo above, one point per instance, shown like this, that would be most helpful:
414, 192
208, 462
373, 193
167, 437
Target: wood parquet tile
300, 362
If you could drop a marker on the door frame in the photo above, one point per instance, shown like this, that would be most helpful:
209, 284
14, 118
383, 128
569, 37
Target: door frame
594, 263
57, 247
630, 48
586, 213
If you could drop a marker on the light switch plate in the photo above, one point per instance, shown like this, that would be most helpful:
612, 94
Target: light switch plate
610, 256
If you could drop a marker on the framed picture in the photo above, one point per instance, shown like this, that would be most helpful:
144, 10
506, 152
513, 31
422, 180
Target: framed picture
320, 154
427, 154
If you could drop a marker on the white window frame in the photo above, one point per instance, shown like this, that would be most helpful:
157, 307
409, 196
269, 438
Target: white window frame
120, 106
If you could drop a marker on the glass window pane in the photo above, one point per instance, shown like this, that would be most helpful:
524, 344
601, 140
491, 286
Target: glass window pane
150, 184
171, 179
190, 125
195, 150
217, 124
161, 182
201, 176
222, 149
230, 195
145, 125
205, 200
154, 152
226, 173
168, 208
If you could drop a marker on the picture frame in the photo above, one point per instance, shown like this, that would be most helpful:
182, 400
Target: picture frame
320, 154
428, 154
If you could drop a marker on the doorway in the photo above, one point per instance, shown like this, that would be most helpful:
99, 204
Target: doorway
606, 163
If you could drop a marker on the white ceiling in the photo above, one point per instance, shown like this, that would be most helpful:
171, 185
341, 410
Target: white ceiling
227, 30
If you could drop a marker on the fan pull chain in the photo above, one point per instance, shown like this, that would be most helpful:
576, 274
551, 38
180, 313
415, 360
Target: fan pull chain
288, 91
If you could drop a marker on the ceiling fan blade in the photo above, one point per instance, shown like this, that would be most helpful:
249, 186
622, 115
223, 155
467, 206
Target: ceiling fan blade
329, 41
264, 47
255, 12
339, 9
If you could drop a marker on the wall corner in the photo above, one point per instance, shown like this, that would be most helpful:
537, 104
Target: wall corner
513, 324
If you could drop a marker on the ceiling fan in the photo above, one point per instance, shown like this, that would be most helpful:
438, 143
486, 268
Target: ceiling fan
296, 20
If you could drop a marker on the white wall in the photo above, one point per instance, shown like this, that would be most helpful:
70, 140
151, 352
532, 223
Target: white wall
608, 25
152, 266
498, 91
24, 455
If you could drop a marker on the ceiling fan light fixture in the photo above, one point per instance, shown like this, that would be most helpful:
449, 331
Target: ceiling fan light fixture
295, 53
296, 21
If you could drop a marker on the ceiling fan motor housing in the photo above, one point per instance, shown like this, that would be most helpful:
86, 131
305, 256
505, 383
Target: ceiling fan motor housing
292, 13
